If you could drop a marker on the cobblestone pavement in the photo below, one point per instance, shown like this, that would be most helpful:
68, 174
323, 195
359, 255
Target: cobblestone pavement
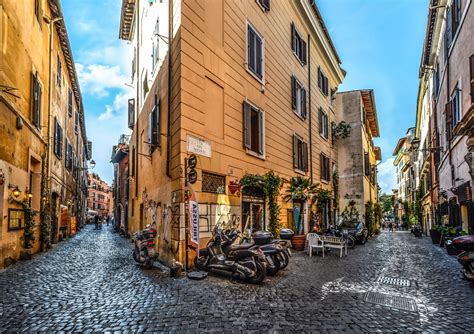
90, 283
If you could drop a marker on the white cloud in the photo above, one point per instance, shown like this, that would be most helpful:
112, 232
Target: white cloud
97, 79
118, 107
387, 176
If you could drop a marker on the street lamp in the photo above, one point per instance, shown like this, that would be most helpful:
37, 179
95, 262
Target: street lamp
91, 163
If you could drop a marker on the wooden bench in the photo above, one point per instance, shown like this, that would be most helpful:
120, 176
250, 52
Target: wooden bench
334, 242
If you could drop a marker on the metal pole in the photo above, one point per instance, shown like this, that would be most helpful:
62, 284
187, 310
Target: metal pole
186, 206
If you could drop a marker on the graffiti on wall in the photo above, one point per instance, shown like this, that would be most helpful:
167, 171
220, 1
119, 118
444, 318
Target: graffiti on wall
211, 214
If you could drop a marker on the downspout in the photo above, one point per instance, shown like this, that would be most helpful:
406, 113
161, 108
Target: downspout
138, 99
310, 112
168, 125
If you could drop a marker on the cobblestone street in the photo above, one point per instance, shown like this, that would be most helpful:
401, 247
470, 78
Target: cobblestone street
91, 283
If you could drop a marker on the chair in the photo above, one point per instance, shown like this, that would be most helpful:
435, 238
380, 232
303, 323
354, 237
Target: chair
314, 242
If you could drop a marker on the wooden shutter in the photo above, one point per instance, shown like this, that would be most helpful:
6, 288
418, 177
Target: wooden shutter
56, 136
260, 132
39, 94
258, 57
321, 121
247, 140
266, 5
303, 101
61, 141
150, 131
293, 92
305, 157
449, 118
448, 32
251, 49
131, 113
295, 151
471, 66
69, 102
158, 123
320, 79
303, 51
321, 166
293, 37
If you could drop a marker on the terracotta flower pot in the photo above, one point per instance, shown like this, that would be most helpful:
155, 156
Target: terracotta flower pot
298, 241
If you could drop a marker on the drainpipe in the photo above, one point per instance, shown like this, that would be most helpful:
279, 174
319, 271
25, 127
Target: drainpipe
168, 125
138, 99
310, 112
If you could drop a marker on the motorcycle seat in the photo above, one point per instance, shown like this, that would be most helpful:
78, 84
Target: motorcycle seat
241, 246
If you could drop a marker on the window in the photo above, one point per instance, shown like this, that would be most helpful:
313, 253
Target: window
68, 157
324, 167
298, 98
36, 103
131, 113
213, 183
366, 164
455, 107
436, 80
59, 78
323, 82
300, 154
16, 219
155, 46
76, 122
254, 52
58, 139
456, 17
298, 44
323, 124
154, 126
264, 4
69, 102
253, 129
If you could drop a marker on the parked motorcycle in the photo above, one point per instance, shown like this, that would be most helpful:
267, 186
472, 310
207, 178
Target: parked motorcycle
238, 260
416, 231
144, 251
466, 258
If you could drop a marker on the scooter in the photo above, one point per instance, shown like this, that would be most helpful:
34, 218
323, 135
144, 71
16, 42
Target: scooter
238, 260
466, 258
144, 251
416, 230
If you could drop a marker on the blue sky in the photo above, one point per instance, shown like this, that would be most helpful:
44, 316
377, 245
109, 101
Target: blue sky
379, 42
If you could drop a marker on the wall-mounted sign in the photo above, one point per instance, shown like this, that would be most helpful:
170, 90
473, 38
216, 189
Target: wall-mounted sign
199, 146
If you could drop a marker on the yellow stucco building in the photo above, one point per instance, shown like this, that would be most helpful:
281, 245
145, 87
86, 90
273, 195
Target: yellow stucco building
42, 125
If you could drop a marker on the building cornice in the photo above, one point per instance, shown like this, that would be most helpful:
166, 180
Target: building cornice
127, 16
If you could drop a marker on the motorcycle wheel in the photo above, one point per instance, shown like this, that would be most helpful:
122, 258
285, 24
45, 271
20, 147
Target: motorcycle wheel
286, 260
350, 242
199, 263
468, 270
364, 240
276, 262
136, 256
260, 273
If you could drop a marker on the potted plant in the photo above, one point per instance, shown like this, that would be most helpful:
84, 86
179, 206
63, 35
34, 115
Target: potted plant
435, 234
299, 191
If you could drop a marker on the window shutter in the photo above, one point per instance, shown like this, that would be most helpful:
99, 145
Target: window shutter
448, 32
293, 92
305, 157
295, 151
303, 107
158, 121
266, 4
251, 49
69, 102
449, 116
471, 65
131, 113
320, 85
303, 51
321, 166
61, 141
258, 57
320, 121
56, 136
150, 131
39, 94
246, 123
260, 132
293, 39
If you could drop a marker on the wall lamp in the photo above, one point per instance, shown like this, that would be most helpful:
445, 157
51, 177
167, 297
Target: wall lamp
16, 191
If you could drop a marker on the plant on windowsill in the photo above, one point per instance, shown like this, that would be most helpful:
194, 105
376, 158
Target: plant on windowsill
341, 130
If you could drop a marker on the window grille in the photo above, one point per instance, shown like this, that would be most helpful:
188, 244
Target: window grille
212, 183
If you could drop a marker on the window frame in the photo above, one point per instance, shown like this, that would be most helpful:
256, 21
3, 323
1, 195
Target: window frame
456, 105
22, 221
76, 122
261, 78
154, 126
297, 86
297, 40
58, 139
247, 105
323, 158
36, 101
210, 174
59, 71
323, 82
264, 7
323, 126
300, 162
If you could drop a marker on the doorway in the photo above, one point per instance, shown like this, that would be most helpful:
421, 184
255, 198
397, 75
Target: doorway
253, 216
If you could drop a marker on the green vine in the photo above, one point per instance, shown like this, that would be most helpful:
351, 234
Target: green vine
335, 186
341, 130
269, 184
369, 217
45, 218
28, 234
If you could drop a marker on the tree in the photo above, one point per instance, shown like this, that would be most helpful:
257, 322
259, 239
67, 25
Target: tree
387, 203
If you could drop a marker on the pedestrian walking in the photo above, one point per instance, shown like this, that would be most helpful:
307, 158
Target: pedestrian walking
108, 220
390, 227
